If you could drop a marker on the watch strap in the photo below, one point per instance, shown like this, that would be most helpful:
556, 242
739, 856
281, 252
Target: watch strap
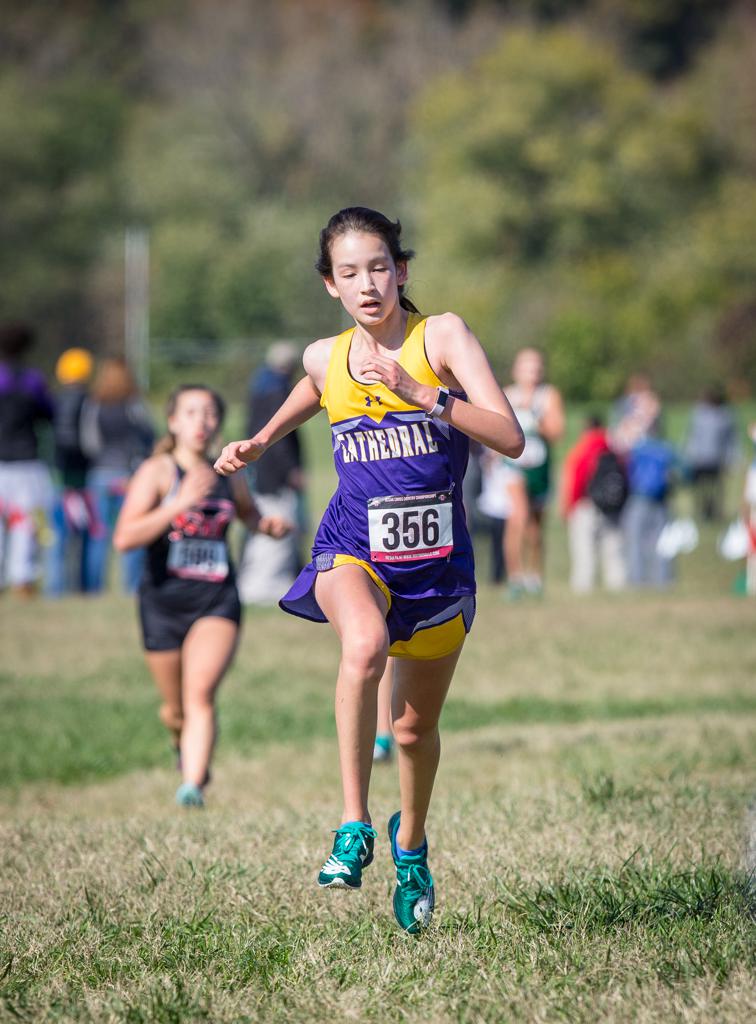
442, 399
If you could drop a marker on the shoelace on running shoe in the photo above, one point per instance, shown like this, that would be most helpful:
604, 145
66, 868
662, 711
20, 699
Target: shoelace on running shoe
415, 881
346, 835
344, 844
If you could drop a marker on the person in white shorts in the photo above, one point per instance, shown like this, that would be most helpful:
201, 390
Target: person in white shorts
26, 488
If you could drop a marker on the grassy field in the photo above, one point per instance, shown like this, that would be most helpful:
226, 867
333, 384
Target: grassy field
588, 833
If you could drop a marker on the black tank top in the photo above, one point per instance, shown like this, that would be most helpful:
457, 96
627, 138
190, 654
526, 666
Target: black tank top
193, 553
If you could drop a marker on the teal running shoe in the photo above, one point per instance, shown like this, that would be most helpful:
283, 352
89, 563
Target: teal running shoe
352, 851
515, 591
415, 895
383, 749
189, 795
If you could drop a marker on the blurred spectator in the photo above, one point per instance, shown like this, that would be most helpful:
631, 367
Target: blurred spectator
26, 491
651, 468
637, 414
74, 520
116, 435
472, 484
538, 407
268, 567
593, 493
711, 447
749, 516
494, 505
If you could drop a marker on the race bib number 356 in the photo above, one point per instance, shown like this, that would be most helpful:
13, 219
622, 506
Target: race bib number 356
410, 527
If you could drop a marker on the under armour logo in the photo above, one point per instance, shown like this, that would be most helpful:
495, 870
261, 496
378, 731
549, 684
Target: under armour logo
370, 399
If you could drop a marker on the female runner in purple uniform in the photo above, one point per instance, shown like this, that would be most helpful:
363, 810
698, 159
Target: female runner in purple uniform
392, 567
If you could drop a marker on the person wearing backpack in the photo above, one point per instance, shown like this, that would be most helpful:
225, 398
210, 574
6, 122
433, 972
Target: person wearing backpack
651, 466
593, 493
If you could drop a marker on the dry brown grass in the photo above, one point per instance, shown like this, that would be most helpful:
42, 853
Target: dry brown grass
594, 747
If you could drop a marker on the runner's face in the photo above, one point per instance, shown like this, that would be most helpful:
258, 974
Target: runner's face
195, 421
365, 277
528, 369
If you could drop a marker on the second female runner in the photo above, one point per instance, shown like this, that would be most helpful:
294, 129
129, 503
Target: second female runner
189, 606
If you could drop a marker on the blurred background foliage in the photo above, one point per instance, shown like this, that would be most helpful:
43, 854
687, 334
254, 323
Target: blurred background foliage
575, 174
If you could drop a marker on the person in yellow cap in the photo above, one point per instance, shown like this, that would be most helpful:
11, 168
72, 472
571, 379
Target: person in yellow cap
74, 520
74, 367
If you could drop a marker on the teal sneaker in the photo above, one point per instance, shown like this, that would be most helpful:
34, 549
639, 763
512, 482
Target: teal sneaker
415, 895
515, 591
383, 749
189, 795
352, 851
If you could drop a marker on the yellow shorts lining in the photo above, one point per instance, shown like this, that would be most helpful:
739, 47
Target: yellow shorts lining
351, 560
426, 644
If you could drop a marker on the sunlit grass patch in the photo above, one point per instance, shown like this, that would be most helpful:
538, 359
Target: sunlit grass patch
201, 938
588, 829
460, 714
653, 896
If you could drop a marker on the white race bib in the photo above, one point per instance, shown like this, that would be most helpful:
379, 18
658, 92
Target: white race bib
410, 527
195, 558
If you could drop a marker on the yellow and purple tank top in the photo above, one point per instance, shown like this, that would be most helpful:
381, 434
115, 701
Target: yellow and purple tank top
398, 507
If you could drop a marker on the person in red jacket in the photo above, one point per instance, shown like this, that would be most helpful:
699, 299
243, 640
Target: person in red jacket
592, 494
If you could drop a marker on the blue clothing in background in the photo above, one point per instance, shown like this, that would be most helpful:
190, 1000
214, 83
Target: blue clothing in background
651, 466
117, 437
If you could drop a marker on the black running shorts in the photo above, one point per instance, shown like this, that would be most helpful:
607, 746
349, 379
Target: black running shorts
165, 623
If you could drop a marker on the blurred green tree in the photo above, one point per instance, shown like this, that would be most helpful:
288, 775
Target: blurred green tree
589, 188
58, 175
659, 38
572, 205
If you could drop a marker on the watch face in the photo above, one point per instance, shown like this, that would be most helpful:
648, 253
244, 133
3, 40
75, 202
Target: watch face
441, 400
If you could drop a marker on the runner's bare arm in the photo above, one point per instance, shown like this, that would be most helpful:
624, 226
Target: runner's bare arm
250, 515
458, 358
301, 405
551, 424
143, 518
487, 415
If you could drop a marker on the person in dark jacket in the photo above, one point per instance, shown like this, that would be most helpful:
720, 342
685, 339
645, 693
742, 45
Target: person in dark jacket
711, 448
74, 518
26, 491
268, 566
117, 436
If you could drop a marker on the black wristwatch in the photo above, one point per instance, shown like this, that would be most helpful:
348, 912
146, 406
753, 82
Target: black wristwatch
442, 399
